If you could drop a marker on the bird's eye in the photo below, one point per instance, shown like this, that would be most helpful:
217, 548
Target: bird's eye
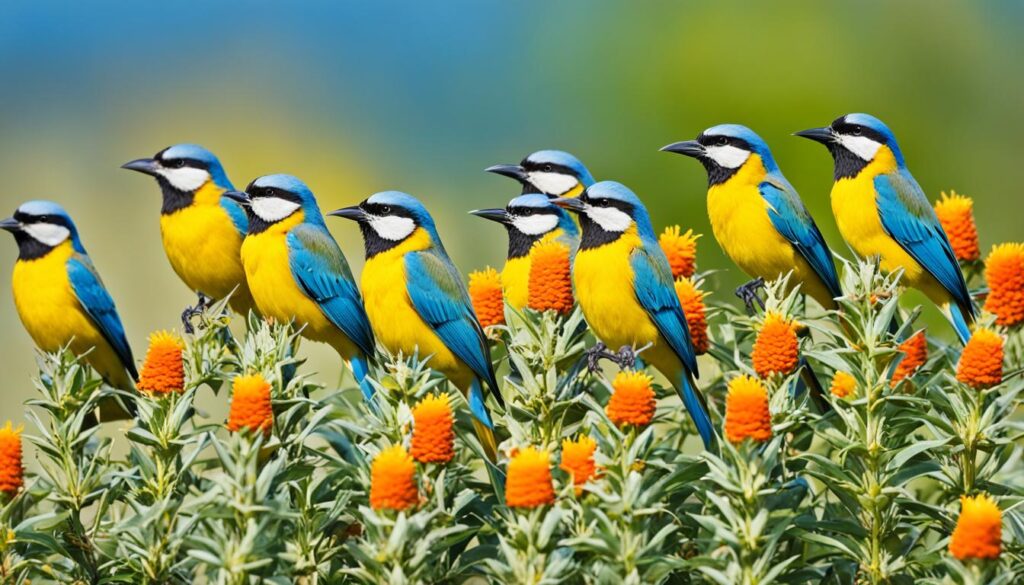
178, 163
547, 168
603, 203
385, 209
723, 141
857, 131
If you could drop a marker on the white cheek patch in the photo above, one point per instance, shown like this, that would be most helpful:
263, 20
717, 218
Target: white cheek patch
392, 227
271, 209
50, 234
535, 225
862, 146
610, 219
186, 179
552, 183
727, 156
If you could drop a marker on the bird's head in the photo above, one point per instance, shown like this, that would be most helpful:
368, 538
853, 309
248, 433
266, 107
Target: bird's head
528, 218
271, 199
724, 149
387, 219
855, 140
182, 168
552, 172
40, 226
607, 210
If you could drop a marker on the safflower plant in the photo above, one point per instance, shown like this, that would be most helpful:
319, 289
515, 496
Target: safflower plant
855, 446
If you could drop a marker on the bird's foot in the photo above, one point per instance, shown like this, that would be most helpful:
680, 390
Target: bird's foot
626, 358
748, 293
594, 355
196, 311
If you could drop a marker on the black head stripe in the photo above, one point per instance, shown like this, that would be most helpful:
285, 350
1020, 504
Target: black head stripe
718, 174
547, 167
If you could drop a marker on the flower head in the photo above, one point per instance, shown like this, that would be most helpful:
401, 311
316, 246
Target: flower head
1004, 273
915, 354
528, 484
632, 401
250, 405
981, 363
485, 292
550, 281
692, 300
843, 384
432, 435
681, 250
956, 214
12, 473
746, 410
578, 460
979, 530
164, 370
775, 349
393, 480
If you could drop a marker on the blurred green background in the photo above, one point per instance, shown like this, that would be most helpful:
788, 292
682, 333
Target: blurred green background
360, 97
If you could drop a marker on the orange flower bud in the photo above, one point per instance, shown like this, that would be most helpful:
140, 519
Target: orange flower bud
746, 410
250, 405
981, 363
550, 278
393, 480
12, 473
956, 214
578, 460
681, 250
1004, 273
528, 484
915, 354
775, 349
163, 371
979, 530
485, 293
632, 401
843, 384
692, 300
433, 440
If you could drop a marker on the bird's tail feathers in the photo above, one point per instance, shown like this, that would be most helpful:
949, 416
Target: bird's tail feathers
695, 404
482, 423
961, 320
361, 371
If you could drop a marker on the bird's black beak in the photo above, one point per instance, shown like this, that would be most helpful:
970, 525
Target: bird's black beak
822, 135
690, 148
240, 197
573, 204
355, 213
511, 171
146, 166
10, 224
498, 215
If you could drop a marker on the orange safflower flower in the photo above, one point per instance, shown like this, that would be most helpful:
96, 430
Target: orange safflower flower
979, 530
1004, 273
692, 300
632, 401
956, 214
163, 371
981, 363
433, 440
578, 460
12, 473
393, 480
681, 250
485, 292
528, 484
250, 405
775, 349
915, 354
550, 281
843, 384
746, 410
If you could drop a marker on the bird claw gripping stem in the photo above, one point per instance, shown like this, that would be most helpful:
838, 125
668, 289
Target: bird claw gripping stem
748, 293
625, 358
196, 311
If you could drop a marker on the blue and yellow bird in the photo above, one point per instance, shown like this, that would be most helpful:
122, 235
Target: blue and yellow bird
554, 173
757, 216
202, 230
298, 274
882, 212
623, 282
417, 302
62, 301
529, 219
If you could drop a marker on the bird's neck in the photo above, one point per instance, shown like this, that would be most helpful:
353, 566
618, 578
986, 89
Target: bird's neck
381, 248
30, 248
594, 236
751, 172
258, 226
519, 244
850, 166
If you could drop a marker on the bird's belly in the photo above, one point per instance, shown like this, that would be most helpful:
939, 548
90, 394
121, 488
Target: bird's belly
740, 222
515, 281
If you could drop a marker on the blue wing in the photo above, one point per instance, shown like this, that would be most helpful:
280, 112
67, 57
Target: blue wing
320, 268
96, 301
656, 293
908, 217
441, 299
794, 222
237, 215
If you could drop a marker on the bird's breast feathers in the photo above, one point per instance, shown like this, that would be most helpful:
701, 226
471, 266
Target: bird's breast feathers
203, 246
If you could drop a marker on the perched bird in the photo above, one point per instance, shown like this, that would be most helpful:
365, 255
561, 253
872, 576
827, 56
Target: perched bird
882, 211
528, 219
623, 283
417, 302
202, 230
552, 172
757, 216
297, 273
62, 301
